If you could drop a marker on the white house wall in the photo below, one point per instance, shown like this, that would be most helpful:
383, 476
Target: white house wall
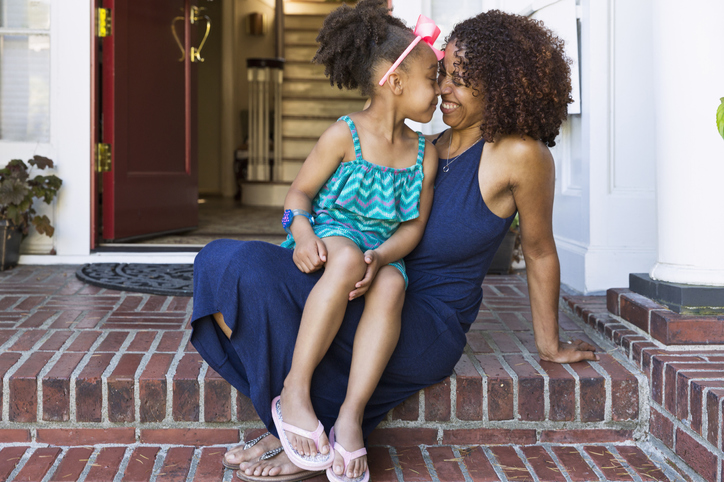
618, 141
70, 128
605, 214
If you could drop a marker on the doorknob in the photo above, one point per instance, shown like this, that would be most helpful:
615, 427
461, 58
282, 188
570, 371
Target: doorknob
178, 41
195, 18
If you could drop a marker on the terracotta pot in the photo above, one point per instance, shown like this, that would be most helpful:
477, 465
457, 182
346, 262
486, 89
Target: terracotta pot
504, 255
10, 238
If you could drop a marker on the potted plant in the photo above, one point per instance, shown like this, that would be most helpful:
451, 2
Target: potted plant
503, 258
17, 192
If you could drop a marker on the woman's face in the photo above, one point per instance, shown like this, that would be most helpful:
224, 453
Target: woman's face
460, 108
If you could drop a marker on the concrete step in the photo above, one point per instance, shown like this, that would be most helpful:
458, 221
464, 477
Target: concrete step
297, 148
306, 127
391, 461
318, 89
316, 108
300, 37
309, 8
265, 193
303, 71
299, 53
291, 169
304, 22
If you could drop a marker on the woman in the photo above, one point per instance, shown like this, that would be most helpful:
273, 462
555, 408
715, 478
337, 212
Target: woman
505, 87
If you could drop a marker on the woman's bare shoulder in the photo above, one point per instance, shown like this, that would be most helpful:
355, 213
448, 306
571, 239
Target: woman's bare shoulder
522, 149
431, 137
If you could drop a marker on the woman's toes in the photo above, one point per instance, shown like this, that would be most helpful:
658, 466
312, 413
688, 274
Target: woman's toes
252, 469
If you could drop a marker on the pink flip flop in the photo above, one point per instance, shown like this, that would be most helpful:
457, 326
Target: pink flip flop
318, 462
348, 457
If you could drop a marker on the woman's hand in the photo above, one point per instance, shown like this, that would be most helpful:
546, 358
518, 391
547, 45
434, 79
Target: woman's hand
373, 265
310, 253
571, 352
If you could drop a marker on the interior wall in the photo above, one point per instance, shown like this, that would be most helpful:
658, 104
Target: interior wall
249, 46
209, 105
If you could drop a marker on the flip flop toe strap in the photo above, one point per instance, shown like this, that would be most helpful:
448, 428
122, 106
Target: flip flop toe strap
255, 441
271, 453
349, 456
303, 433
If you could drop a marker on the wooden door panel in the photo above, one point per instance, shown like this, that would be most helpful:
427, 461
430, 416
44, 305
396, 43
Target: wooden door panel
149, 109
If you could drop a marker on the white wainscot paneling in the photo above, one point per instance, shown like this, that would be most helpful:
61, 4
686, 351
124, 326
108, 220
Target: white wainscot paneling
633, 162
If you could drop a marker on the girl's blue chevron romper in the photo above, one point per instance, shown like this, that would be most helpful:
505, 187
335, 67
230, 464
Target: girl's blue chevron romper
366, 202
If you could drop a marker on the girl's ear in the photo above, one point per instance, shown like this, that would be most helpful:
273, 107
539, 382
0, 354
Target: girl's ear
396, 83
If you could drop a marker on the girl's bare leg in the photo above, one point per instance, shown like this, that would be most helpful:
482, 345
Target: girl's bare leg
376, 338
321, 319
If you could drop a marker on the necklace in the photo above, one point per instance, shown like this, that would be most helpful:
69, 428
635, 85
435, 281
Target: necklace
446, 168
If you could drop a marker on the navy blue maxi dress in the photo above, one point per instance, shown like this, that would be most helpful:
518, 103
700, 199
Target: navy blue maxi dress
261, 293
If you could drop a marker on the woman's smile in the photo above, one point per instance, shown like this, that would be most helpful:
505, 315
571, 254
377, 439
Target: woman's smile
447, 107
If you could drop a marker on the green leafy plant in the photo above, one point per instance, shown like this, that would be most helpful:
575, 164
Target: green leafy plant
720, 118
18, 189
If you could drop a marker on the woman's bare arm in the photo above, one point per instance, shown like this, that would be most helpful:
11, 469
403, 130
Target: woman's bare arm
533, 186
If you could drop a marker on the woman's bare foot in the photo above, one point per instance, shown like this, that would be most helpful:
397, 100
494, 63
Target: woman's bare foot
348, 434
279, 465
297, 410
243, 458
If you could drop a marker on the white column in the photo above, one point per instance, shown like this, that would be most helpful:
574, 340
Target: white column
689, 74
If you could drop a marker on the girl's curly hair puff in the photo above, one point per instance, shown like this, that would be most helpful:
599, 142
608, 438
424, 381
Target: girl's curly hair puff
352, 41
521, 70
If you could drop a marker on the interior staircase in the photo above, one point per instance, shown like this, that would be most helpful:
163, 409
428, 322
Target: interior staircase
309, 103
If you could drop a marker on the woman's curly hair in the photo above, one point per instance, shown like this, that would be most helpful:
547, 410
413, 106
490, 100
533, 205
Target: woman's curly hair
352, 41
520, 69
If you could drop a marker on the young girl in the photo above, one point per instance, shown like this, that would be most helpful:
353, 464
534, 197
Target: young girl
358, 205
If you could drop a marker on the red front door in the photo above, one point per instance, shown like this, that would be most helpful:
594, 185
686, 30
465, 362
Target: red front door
149, 119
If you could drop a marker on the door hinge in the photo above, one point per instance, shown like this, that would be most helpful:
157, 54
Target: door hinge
103, 157
103, 22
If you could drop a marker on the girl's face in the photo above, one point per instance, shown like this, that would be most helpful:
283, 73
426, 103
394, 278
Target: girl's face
422, 89
461, 106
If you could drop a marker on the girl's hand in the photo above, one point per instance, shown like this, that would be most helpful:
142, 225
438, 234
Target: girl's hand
373, 265
310, 254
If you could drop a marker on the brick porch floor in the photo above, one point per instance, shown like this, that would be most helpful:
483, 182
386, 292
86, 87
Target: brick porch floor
103, 385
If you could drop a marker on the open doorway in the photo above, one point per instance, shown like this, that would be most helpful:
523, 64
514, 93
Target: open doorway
230, 203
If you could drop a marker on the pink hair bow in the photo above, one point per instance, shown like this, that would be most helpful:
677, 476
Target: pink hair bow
425, 30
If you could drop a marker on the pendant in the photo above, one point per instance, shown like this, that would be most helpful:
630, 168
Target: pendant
446, 168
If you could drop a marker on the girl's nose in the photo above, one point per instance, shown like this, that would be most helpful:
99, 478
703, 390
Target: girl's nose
443, 84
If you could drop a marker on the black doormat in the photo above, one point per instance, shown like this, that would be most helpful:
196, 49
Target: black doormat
156, 279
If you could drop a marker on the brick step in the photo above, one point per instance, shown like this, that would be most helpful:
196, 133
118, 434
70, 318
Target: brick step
444, 463
85, 357
685, 380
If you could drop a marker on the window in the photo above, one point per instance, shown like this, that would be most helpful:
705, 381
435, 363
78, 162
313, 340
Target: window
25, 70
